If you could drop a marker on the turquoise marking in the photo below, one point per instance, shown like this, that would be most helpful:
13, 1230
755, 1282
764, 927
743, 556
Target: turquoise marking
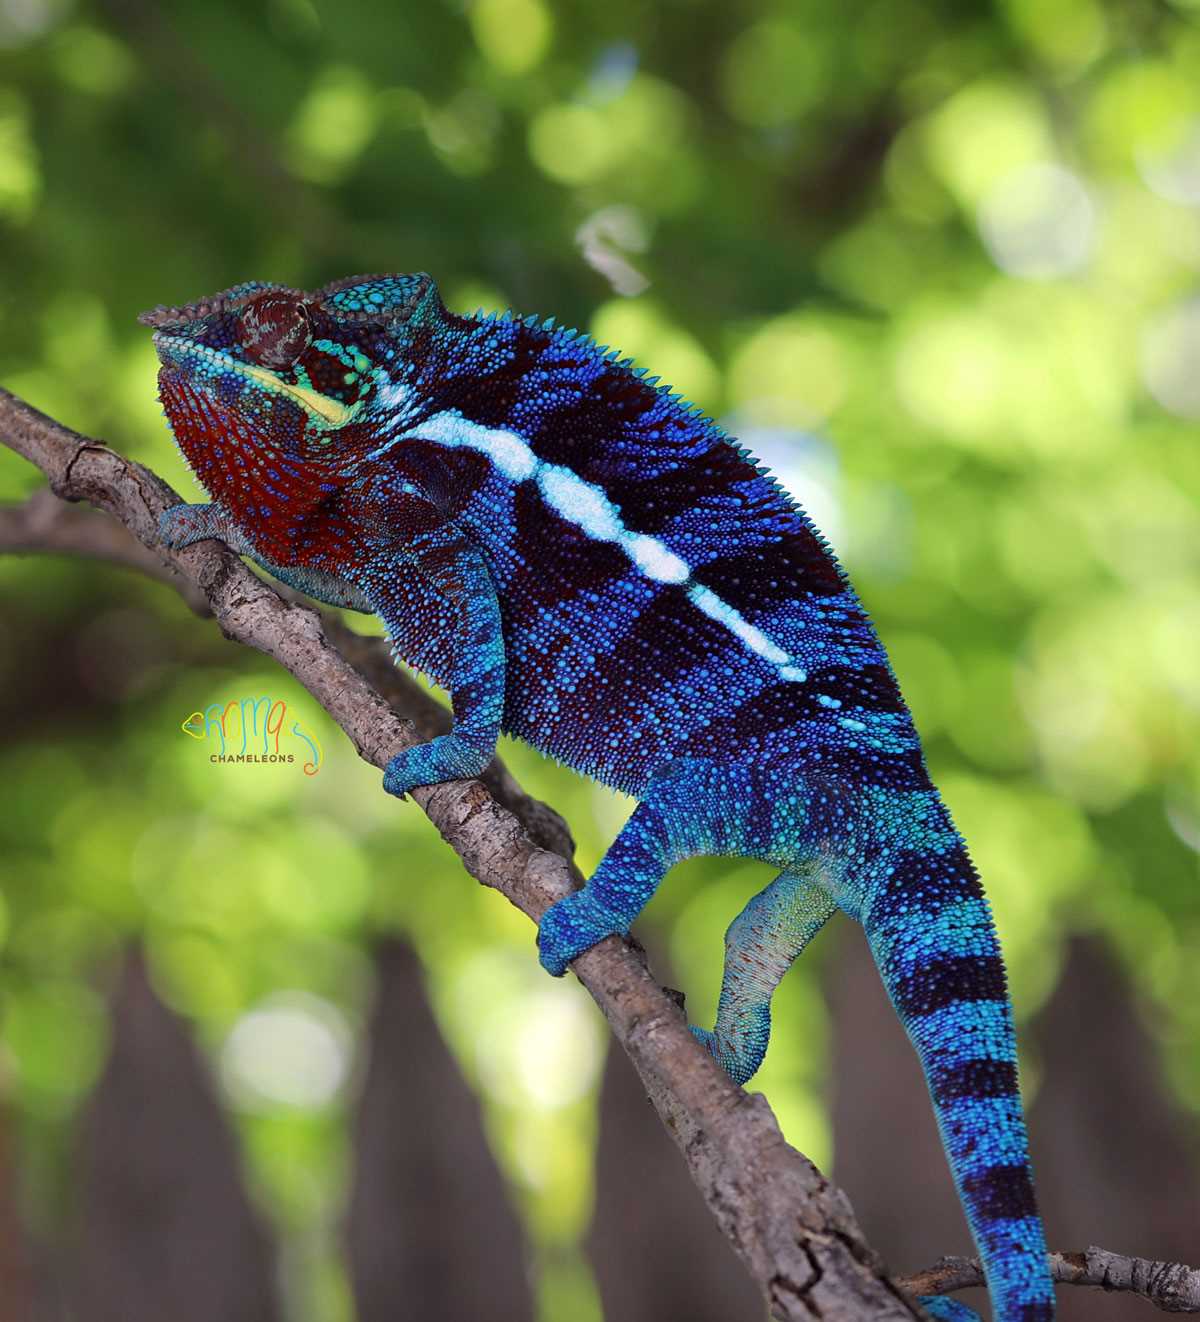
962, 928
996, 1117
983, 1029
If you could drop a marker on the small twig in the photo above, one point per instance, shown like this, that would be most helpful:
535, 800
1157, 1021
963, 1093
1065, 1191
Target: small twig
43, 523
1171, 1286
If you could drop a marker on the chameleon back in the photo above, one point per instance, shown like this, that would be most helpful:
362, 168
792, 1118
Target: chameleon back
662, 596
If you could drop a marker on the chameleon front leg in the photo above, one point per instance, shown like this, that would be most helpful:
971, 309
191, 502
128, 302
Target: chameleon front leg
182, 525
456, 568
692, 806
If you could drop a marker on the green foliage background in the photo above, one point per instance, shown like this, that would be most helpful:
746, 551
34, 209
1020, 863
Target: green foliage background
940, 259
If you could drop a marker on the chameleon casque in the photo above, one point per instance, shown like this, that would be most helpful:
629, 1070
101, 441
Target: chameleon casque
586, 561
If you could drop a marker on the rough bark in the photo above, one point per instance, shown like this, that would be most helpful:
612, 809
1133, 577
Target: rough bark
1169, 1285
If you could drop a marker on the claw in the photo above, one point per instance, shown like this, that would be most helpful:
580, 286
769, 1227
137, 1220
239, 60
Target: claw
570, 927
739, 1057
448, 757
177, 527
707, 1040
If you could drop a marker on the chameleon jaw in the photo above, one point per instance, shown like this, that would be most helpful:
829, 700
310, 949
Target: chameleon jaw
323, 410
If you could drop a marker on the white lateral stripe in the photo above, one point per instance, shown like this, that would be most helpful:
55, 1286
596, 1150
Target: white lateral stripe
589, 508
736, 623
504, 448
580, 503
656, 560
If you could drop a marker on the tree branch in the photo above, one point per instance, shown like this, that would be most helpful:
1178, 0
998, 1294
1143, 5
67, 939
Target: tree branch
794, 1230
1170, 1285
43, 523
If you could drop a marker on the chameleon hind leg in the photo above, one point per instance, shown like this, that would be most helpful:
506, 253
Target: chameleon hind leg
692, 806
760, 945
456, 570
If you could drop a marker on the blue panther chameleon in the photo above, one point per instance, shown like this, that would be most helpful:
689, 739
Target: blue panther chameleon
584, 560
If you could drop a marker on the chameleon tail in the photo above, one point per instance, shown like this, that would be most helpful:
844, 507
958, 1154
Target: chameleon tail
931, 933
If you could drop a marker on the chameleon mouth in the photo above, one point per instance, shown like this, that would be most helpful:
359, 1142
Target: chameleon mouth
174, 350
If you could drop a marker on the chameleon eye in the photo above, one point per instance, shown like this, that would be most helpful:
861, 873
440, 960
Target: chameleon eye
274, 329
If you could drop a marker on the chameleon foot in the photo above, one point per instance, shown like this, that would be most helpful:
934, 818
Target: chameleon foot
707, 1040
182, 525
949, 1310
570, 927
448, 757
739, 1057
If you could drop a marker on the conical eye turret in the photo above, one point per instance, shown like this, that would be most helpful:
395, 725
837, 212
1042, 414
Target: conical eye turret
274, 329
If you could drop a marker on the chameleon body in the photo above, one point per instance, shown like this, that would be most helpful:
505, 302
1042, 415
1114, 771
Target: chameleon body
584, 560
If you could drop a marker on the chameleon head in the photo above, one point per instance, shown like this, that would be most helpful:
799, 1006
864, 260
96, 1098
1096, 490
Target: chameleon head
261, 371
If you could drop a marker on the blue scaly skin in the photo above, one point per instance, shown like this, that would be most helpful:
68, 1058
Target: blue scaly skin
586, 561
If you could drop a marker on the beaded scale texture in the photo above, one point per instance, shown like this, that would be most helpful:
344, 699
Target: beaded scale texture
584, 560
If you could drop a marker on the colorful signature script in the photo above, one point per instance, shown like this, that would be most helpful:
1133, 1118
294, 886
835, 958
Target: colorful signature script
259, 722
